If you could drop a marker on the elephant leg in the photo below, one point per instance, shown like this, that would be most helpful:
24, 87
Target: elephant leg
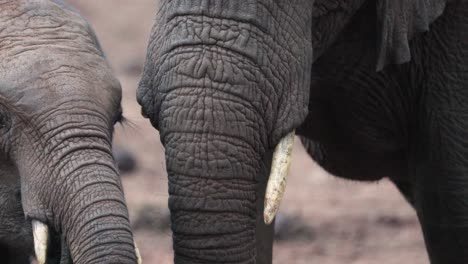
438, 150
441, 202
439, 173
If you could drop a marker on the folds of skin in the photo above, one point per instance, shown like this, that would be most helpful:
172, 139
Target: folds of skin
73, 188
60, 100
224, 81
439, 148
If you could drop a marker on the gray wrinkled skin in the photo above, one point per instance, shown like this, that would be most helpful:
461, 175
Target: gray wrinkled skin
59, 102
386, 96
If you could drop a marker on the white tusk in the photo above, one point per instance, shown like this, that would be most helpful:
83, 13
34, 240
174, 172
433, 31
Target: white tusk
41, 240
137, 252
277, 182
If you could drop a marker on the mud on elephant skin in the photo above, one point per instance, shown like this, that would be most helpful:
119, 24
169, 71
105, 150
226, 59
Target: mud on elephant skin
376, 89
59, 102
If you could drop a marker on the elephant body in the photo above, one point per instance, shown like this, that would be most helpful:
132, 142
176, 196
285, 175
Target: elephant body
374, 89
59, 101
407, 122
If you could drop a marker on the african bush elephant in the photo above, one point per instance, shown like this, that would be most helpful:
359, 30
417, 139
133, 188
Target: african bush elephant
59, 101
374, 88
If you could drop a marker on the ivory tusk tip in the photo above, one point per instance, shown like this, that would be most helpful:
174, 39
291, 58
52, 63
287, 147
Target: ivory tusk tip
41, 240
268, 217
138, 255
276, 184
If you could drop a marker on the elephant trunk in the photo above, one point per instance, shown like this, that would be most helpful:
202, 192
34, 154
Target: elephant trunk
217, 164
217, 184
216, 156
213, 195
74, 190
97, 229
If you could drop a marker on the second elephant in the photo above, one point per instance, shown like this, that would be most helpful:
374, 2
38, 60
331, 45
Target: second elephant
374, 88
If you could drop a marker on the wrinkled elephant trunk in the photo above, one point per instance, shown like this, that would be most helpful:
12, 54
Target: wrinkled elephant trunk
216, 199
98, 232
217, 166
74, 190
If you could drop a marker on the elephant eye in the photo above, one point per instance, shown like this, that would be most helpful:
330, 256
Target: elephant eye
4, 121
5, 118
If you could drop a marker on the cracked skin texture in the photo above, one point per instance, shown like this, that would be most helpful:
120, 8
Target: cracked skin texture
59, 101
225, 80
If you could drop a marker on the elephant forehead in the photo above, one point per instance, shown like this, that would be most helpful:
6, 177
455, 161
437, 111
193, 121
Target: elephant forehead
49, 54
26, 25
40, 79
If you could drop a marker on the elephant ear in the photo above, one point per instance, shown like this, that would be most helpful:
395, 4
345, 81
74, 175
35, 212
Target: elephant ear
398, 21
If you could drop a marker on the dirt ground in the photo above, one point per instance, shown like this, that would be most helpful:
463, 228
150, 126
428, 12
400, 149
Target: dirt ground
324, 219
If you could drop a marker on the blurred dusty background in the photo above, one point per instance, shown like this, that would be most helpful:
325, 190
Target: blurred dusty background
324, 219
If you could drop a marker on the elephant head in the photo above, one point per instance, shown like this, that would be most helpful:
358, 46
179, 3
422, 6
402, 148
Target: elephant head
59, 102
226, 83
